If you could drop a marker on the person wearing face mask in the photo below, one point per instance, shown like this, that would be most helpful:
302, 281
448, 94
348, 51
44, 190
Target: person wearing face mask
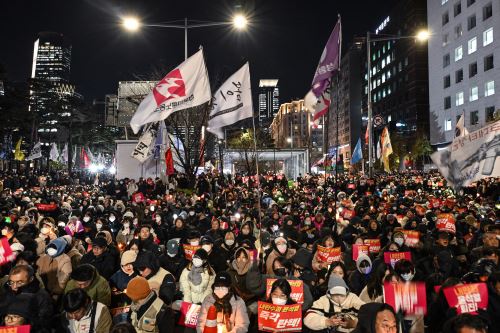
215, 231
172, 260
238, 270
197, 278
279, 249
398, 237
405, 271
178, 230
48, 232
232, 315
54, 267
360, 277
280, 293
307, 230
160, 227
335, 310
126, 232
246, 233
224, 252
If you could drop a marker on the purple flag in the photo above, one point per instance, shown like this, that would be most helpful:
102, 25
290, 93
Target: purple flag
329, 63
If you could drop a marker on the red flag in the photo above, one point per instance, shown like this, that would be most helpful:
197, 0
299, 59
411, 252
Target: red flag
86, 159
169, 160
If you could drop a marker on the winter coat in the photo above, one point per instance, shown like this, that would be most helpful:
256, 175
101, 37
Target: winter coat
273, 255
55, 272
239, 316
105, 263
321, 310
98, 290
365, 297
220, 256
120, 279
102, 323
75, 257
196, 294
152, 316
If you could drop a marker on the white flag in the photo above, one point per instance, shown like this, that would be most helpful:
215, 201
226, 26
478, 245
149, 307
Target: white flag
318, 106
184, 87
379, 149
54, 152
471, 157
143, 150
460, 129
232, 102
36, 152
64, 154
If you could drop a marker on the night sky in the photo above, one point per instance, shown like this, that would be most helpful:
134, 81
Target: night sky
284, 41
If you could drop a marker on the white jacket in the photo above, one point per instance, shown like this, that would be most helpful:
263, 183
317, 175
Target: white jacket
196, 294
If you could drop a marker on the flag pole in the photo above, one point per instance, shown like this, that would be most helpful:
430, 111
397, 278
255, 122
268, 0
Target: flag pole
257, 174
167, 187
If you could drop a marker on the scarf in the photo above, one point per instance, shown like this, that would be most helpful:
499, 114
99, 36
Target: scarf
243, 269
224, 305
194, 275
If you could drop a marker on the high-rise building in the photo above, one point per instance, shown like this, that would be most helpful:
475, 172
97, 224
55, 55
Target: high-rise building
269, 101
464, 54
50, 88
345, 130
110, 110
399, 81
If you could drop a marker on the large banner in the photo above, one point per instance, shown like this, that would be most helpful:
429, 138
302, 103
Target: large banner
409, 297
297, 293
467, 298
328, 254
279, 318
470, 157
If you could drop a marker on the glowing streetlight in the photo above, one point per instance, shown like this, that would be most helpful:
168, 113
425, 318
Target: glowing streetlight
131, 23
240, 22
423, 35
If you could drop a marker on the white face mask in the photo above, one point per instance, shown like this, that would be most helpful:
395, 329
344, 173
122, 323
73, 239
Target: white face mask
126, 225
282, 248
365, 270
112, 219
207, 247
408, 276
275, 227
44, 231
86, 218
399, 241
98, 226
194, 243
191, 213
197, 262
229, 242
279, 301
221, 291
158, 219
51, 252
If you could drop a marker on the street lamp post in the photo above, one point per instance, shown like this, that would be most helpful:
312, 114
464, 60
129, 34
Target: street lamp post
421, 36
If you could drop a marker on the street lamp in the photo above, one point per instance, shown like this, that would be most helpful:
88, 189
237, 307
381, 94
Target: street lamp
131, 23
422, 35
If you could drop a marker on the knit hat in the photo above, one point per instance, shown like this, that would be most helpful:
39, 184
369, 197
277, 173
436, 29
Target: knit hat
173, 246
337, 286
222, 279
128, 257
138, 288
303, 258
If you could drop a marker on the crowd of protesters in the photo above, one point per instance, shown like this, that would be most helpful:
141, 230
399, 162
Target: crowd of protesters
112, 257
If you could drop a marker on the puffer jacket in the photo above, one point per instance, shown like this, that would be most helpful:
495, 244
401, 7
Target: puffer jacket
196, 294
55, 271
275, 254
239, 317
320, 311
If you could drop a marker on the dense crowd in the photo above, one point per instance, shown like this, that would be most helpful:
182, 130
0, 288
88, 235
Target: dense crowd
121, 255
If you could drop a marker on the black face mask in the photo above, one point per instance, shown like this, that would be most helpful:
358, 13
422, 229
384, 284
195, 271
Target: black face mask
280, 271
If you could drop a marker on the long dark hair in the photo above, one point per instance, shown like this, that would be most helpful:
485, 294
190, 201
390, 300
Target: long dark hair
285, 287
376, 282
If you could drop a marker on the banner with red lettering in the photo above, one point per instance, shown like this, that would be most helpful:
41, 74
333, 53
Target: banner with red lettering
189, 250
373, 245
358, 249
467, 298
328, 254
434, 203
46, 207
189, 314
410, 297
412, 238
446, 222
393, 257
279, 318
297, 293
15, 329
6, 254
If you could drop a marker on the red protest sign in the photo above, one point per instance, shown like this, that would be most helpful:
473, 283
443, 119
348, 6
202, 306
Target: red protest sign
434, 203
6, 254
393, 257
412, 238
297, 293
138, 197
446, 222
279, 318
46, 207
358, 249
348, 214
410, 297
189, 250
351, 186
15, 329
467, 298
189, 314
328, 254
373, 245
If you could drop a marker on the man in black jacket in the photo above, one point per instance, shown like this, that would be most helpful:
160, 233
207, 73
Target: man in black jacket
100, 258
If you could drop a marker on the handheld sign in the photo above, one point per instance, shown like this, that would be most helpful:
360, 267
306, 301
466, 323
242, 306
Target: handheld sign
410, 297
393, 257
328, 254
467, 298
279, 318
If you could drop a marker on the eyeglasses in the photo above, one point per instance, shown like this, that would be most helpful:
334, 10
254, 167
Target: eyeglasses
19, 283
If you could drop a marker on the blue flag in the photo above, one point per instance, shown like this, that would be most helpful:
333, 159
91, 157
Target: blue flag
357, 154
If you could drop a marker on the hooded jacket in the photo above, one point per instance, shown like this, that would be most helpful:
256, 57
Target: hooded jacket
55, 271
275, 254
161, 281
